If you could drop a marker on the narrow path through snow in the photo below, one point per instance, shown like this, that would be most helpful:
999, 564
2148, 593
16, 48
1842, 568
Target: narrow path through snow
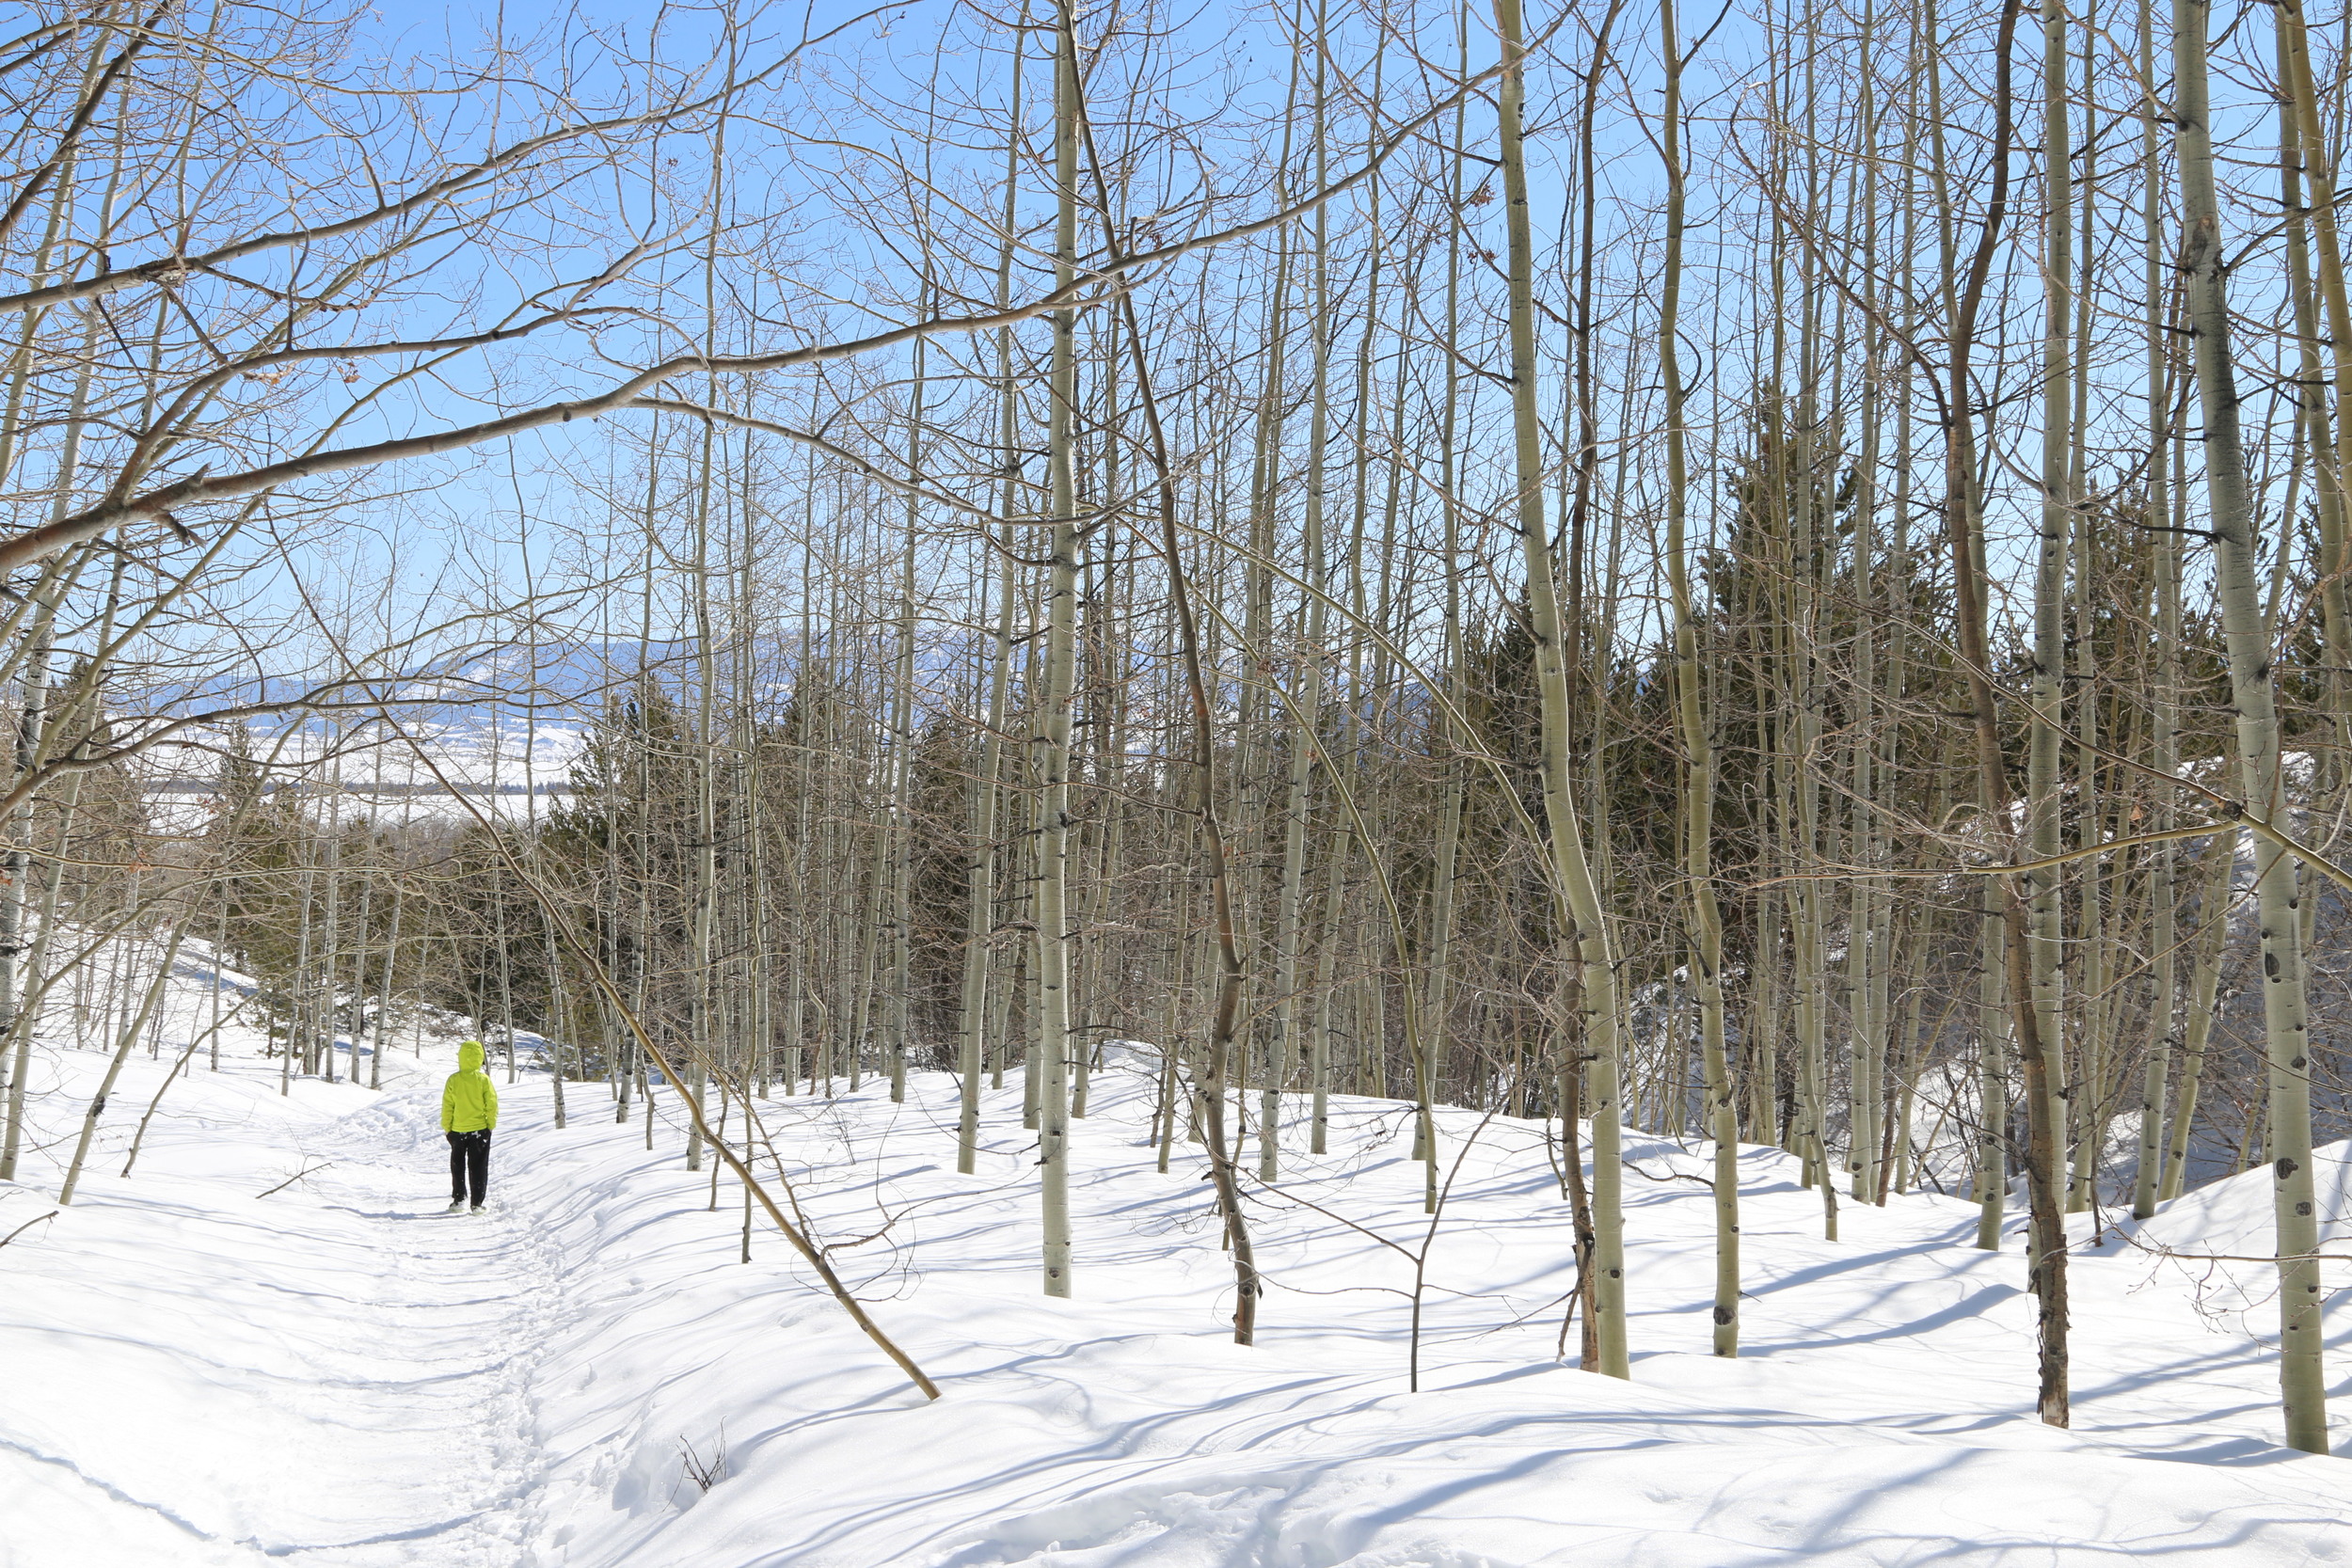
340, 1376
432, 1408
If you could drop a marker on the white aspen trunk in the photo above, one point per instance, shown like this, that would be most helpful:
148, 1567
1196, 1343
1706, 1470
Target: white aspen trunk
705, 886
384, 987
1257, 630
1435, 1027
1330, 917
2094, 1099
1911, 960
2313, 139
497, 908
553, 1029
359, 966
974, 1033
752, 756
1354, 718
2042, 889
702, 1042
2206, 950
124, 1043
32, 704
1698, 745
1808, 540
1762, 1037
1209, 1096
1868, 948
297, 1040
1306, 709
57, 577
903, 765
1054, 710
1579, 894
1964, 531
1958, 290
2164, 1012
331, 959
1908, 1062
2248, 635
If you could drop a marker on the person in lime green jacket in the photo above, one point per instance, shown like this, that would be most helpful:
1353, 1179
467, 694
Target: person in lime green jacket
469, 1109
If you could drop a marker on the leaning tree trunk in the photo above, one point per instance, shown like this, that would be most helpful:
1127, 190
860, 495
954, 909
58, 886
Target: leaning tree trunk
132, 1028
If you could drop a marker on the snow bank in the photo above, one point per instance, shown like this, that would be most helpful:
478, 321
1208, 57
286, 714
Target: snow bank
340, 1374
2234, 1215
2208, 1245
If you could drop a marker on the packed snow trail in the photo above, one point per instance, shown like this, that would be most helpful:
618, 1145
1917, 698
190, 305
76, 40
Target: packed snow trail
339, 1374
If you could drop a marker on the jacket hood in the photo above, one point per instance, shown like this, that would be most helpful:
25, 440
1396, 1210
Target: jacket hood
469, 1056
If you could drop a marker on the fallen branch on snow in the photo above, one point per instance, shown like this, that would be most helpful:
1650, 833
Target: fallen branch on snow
26, 1225
296, 1176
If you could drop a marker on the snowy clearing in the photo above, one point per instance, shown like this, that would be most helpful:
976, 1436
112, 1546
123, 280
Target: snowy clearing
340, 1374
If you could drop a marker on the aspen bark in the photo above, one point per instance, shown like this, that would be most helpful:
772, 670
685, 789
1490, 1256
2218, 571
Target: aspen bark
2247, 633
2041, 889
123, 1042
973, 1034
1306, 709
1572, 874
2205, 954
2046, 1245
903, 765
15, 1032
1698, 744
2164, 718
1053, 709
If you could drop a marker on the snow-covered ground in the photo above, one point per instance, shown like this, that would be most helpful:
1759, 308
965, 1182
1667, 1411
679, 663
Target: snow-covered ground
339, 1374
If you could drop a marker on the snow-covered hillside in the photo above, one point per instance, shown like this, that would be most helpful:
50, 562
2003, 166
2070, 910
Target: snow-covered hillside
337, 1373
512, 772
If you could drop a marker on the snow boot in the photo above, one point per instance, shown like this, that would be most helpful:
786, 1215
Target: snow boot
456, 1205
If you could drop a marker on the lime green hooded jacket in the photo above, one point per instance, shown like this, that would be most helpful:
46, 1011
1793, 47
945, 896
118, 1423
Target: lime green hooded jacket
469, 1102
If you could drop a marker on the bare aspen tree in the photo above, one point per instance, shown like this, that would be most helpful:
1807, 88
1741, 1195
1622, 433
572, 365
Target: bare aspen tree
1059, 661
902, 758
1436, 1025
1698, 744
2043, 892
2164, 717
975, 1037
1309, 664
2008, 940
2247, 636
1574, 883
16, 1033
1054, 707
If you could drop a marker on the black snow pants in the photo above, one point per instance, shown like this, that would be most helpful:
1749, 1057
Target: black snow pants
469, 1164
